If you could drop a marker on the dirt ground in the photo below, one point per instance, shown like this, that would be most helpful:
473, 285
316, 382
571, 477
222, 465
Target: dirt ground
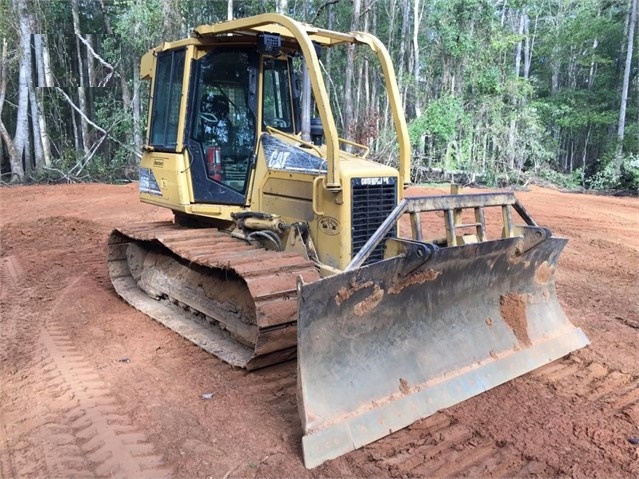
92, 388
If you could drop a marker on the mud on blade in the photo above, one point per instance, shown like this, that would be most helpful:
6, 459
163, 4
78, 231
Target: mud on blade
385, 345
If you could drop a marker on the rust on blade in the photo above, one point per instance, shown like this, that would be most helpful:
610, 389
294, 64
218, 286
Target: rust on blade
347, 291
418, 277
544, 273
370, 303
404, 387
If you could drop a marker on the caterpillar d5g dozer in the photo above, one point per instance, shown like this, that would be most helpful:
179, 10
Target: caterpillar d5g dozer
286, 241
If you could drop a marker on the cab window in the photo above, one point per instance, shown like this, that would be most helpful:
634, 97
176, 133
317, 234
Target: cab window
167, 95
277, 103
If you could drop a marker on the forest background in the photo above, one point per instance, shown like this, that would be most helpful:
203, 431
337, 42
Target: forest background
497, 91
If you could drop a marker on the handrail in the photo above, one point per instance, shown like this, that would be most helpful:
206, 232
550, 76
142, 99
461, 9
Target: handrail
366, 149
316, 181
300, 33
296, 138
306, 35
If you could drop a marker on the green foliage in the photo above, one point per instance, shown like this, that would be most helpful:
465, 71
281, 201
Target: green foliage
440, 120
467, 109
138, 24
617, 175
569, 181
488, 82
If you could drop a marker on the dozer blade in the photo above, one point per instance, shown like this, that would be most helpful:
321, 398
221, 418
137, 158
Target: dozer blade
382, 346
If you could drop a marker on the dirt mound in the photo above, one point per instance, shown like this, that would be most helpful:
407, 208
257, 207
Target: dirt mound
91, 387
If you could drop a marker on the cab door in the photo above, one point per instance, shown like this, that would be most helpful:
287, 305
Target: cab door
221, 132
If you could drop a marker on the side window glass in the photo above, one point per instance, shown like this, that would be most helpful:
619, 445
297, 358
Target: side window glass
166, 100
277, 96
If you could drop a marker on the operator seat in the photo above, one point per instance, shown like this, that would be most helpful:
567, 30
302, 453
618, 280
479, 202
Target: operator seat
216, 126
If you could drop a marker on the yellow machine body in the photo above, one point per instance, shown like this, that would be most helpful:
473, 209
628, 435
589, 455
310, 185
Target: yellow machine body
286, 242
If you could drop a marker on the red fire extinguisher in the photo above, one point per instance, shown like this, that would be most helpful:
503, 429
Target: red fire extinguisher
214, 162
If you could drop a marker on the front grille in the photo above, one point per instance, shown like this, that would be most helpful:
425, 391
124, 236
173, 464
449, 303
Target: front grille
373, 200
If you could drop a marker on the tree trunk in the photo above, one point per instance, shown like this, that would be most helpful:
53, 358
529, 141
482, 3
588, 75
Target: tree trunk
417, 20
41, 136
593, 67
503, 13
348, 78
21, 137
38, 150
76, 134
46, 61
624, 88
584, 157
511, 142
403, 45
137, 126
330, 14
374, 106
364, 99
282, 7
82, 99
572, 155
389, 42
528, 45
520, 31
39, 60
554, 67
90, 63
15, 162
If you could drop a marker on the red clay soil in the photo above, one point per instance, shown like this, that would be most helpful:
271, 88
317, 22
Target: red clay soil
91, 387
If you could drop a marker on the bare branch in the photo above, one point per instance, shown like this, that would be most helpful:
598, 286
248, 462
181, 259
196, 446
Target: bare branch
101, 130
93, 52
82, 114
369, 8
319, 10
80, 165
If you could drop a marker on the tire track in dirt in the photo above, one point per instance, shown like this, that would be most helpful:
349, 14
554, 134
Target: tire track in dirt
615, 392
111, 444
448, 448
10, 273
75, 428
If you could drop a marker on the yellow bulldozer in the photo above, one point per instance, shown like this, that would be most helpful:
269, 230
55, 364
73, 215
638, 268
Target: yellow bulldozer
286, 242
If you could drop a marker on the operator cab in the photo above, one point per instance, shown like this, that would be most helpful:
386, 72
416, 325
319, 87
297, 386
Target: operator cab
234, 94
224, 114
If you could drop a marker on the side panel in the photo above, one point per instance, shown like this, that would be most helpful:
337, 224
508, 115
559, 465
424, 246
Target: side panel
162, 179
345, 220
291, 182
165, 181
290, 198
